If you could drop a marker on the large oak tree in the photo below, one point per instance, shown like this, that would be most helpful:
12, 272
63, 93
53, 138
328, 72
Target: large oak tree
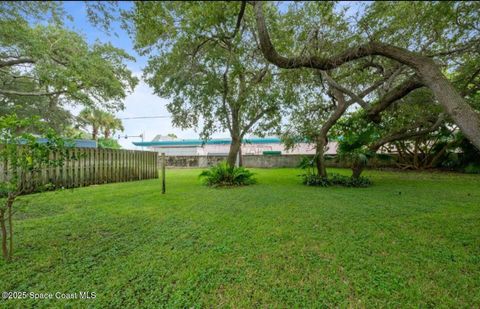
204, 58
404, 38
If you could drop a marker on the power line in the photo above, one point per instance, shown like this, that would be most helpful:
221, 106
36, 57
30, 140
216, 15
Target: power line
145, 117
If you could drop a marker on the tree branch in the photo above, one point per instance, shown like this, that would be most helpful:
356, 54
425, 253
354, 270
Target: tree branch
431, 75
405, 134
369, 49
390, 97
12, 62
239, 20
224, 97
30, 94
259, 76
337, 113
257, 118
340, 88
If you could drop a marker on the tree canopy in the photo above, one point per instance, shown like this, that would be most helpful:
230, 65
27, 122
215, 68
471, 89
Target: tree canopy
203, 56
44, 66
393, 39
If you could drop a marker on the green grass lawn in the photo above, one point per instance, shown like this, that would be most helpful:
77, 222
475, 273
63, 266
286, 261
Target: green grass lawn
412, 239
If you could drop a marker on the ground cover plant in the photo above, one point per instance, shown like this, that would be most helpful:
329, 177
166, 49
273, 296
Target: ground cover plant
335, 180
223, 175
411, 240
313, 177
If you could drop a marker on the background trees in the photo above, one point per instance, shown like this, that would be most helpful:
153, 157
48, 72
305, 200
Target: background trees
44, 67
100, 123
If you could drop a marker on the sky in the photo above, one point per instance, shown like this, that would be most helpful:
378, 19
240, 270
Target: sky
142, 102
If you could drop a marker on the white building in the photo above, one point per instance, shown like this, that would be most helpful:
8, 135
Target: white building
250, 146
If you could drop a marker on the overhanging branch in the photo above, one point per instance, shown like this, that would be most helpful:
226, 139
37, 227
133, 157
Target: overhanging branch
393, 95
406, 133
12, 62
29, 93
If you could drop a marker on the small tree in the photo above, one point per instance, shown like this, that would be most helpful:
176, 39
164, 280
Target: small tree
21, 154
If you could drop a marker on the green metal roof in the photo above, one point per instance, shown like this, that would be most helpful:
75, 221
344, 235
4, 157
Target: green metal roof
199, 142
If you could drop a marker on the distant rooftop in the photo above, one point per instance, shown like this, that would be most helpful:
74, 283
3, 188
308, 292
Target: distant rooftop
160, 137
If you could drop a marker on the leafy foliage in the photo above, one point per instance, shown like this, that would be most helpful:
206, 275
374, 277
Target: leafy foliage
44, 66
306, 163
23, 151
100, 122
223, 175
472, 168
108, 143
315, 180
312, 178
335, 180
346, 181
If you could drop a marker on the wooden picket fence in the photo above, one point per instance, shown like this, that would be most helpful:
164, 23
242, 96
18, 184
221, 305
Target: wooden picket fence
90, 166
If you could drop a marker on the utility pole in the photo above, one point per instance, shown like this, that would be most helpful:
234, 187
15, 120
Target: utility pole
163, 172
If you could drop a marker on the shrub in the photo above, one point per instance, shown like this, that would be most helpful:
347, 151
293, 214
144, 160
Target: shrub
307, 163
335, 180
346, 181
315, 180
222, 175
472, 168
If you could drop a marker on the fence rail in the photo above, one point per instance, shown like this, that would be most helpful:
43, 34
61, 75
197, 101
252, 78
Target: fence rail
89, 166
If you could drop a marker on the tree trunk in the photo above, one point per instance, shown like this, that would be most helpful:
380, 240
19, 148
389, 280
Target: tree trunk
439, 154
320, 159
94, 132
322, 140
10, 225
415, 154
240, 158
4, 234
357, 170
234, 150
467, 119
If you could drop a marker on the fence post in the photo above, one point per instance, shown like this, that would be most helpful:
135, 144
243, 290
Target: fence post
163, 173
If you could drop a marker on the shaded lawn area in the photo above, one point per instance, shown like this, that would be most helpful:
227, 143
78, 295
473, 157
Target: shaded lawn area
412, 239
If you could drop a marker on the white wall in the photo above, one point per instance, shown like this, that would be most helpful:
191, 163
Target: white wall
177, 151
247, 149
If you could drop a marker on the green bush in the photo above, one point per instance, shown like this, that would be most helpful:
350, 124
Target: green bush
346, 181
315, 180
307, 163
222, 175
335, 180
472, 168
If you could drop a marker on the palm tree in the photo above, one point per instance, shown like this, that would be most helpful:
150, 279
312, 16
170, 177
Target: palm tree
100, 121
110, 124
90, 117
